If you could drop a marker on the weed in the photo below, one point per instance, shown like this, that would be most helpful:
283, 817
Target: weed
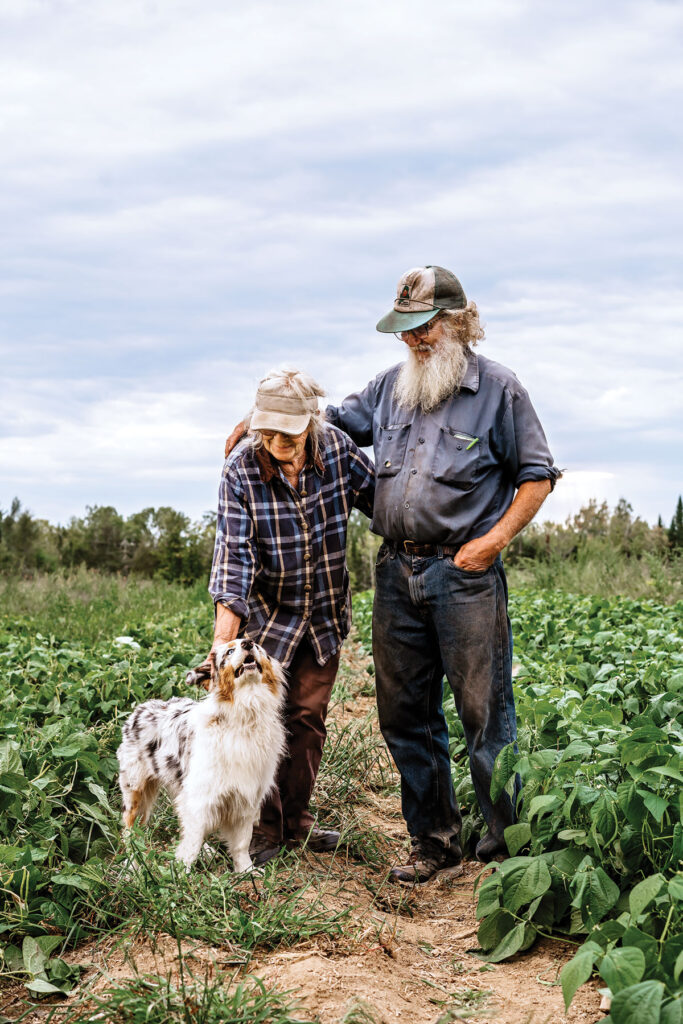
359, 1012
158, 999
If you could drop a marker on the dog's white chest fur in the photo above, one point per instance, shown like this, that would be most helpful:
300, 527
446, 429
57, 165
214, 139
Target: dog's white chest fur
217, 757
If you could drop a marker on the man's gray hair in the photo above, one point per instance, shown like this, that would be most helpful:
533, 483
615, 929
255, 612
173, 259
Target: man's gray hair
464, 324
287, 381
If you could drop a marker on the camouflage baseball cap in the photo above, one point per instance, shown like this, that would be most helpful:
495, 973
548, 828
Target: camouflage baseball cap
422, 293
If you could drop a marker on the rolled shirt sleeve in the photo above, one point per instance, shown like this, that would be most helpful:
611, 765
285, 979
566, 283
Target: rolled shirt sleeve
524, 449
234, 556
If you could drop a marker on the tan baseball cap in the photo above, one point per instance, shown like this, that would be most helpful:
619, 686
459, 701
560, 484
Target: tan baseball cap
422, 293
275, 409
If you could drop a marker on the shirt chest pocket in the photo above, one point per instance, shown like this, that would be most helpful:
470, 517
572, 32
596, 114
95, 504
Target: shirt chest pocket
391, 451
456, 458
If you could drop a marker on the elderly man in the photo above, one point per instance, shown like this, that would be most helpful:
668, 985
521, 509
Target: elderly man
279, 576
455, 436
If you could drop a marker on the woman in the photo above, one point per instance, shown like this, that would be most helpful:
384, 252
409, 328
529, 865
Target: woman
279, 576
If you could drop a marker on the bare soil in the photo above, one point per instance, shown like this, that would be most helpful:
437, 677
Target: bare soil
405, 954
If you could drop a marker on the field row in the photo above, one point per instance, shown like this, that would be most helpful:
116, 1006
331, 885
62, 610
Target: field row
596, 855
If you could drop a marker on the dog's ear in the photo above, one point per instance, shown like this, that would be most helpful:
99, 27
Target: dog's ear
202, 674
273, 677
213, 661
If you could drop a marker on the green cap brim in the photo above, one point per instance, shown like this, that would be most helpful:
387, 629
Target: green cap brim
395, 323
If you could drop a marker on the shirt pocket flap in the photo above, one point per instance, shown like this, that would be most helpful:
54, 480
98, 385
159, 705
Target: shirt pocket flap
391, 450
456, 458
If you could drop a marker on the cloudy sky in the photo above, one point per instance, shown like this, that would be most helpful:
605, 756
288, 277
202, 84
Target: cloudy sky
194, 192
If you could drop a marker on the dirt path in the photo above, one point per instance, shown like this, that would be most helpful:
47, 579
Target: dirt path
404, 955
413, 956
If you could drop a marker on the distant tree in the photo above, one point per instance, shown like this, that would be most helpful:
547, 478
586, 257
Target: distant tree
171, 527
140, 554
103, 538
676, 528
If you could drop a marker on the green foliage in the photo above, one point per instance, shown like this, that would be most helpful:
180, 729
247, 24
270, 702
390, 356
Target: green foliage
61, 707
361, 552
600, 704
75, 657
158, 999
597, 853
160, 543
599, 551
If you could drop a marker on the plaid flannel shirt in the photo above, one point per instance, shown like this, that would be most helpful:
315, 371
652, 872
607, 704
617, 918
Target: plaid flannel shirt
280, 556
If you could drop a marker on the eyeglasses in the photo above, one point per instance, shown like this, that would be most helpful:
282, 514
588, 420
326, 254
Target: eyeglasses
423, 330
268, 435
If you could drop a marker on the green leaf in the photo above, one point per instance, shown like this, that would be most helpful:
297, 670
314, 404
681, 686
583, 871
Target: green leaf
529, 879
517, 836
572, 835
14, 961
503, 770
489, 895
574, 974
676, 888
622, 967
541, 805
678, 967
42, 986
656, 805
644, 893
510, 944
73, 880
34, 958
48, 943
672, 1013
638, 1004
595, 894
10, 757
494, 927
635, 937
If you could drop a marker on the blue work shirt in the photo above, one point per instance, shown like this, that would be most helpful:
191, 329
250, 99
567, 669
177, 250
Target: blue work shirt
447, 476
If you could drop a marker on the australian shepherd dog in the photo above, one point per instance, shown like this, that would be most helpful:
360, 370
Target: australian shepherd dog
216, 757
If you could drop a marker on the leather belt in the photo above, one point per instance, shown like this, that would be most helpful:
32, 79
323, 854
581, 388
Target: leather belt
424, 550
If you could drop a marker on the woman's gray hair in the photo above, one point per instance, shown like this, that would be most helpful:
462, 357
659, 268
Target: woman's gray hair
463, 324
286, 381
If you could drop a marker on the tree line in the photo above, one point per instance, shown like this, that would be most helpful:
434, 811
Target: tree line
166, 544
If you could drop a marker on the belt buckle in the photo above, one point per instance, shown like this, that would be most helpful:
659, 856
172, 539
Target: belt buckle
408, 546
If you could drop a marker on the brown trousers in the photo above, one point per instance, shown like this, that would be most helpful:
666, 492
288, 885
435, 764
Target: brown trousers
284, 812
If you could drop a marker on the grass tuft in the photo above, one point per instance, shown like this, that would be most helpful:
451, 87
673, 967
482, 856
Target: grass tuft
158, 999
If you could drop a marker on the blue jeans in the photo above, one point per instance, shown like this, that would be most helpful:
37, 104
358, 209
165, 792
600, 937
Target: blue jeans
431, 618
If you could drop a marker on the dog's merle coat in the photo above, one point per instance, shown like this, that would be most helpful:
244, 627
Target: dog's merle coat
216, 757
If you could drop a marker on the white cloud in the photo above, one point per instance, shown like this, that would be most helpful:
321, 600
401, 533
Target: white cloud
193, 192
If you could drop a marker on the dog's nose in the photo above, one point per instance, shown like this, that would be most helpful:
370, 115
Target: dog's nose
247, 645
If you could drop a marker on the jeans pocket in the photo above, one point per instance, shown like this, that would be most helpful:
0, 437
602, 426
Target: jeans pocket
472, 574
383, 553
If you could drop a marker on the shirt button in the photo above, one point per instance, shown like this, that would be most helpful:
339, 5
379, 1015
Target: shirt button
413, 472
459, 447
306, 556
388, 462
307, 587
421, 440
407, 505
303, 494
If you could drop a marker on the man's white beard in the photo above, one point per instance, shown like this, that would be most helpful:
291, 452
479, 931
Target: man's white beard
427, 383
